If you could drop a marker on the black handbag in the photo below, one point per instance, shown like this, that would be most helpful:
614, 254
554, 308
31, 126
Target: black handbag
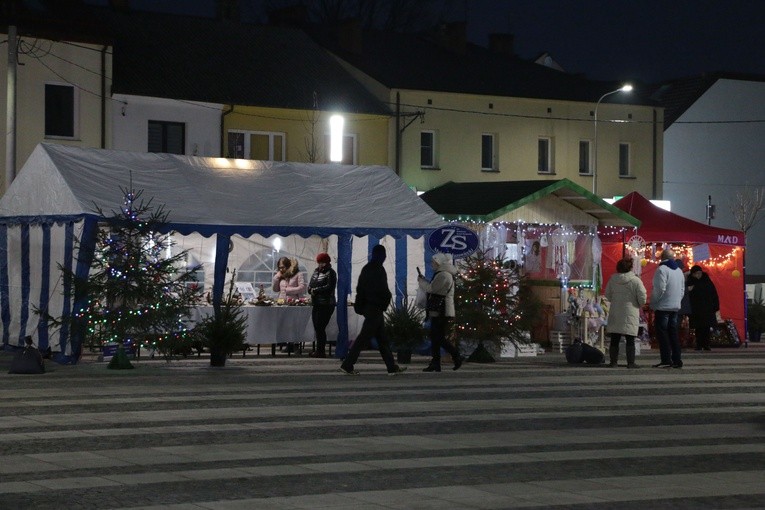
436, 303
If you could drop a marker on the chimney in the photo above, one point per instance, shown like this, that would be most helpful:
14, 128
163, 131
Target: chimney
292, 16
349, 35
502, 44
227, 10
453, 36
120, 5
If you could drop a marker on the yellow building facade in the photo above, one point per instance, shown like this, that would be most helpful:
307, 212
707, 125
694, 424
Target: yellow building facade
280, 134
473, 138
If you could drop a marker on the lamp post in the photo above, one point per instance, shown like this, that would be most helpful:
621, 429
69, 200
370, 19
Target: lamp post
624, 88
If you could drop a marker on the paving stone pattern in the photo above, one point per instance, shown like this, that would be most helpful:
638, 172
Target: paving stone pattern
292, 433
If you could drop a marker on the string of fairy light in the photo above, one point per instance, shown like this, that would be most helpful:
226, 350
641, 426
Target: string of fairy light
104, 321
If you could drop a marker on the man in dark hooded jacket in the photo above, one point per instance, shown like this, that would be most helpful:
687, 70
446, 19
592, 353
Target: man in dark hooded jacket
372, 299
705, 304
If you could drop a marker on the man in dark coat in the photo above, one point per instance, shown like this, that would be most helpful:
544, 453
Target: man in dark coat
704, 305
372, 299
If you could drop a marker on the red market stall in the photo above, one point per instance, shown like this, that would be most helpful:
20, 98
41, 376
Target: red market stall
719, 251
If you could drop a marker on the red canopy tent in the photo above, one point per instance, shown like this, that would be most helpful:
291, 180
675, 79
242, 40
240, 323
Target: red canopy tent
719, 251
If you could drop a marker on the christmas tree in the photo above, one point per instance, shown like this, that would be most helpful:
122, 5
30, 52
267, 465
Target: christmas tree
493, 304
137, 292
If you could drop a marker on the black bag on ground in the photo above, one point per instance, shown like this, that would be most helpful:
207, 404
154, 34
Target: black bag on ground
574, 353
592, 355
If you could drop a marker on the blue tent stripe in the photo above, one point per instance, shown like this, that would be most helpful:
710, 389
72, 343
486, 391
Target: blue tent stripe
344, 285
221, 266
5, 305
66, 307
401, 270
42, 326
25, 281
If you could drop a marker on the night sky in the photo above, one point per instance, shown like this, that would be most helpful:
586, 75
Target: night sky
649, 40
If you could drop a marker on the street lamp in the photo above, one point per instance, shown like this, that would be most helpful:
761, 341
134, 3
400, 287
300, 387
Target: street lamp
624, 88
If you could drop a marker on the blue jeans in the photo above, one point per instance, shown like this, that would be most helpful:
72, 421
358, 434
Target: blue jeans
665, 324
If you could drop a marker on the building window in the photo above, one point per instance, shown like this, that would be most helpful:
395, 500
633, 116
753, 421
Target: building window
169, 137
260, 145
585, 161
546, 162
488, 152
428, 149
349, 150
624, 160
60, 107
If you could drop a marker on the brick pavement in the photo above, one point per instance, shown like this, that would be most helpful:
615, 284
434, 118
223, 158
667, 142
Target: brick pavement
291, 432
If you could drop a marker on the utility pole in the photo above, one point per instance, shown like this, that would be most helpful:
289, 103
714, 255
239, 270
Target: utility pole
10, 117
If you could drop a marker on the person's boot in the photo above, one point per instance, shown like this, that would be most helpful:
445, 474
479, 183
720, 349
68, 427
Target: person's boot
631, 356
434, 366
458, 361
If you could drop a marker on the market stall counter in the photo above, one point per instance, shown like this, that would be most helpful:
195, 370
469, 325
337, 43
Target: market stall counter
277, 324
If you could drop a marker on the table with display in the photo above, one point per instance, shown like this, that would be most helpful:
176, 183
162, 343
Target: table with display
272, 325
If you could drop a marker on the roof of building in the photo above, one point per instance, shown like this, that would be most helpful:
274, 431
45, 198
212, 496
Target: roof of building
485, 201
676, 96
210, 60
425, 62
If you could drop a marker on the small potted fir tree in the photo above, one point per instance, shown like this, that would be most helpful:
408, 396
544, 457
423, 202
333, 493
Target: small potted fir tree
223, 332
404, 328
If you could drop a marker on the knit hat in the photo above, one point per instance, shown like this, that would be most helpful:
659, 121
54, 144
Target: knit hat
323, 257
696, 268
378, 253
442, 259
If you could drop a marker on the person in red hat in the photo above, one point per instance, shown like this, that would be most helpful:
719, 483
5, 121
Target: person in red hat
321, 288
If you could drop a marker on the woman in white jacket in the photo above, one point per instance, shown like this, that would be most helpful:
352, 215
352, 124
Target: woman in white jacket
627, 295
442, 284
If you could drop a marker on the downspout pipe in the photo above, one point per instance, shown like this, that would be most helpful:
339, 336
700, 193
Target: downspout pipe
223, 130
398, 134
103, 97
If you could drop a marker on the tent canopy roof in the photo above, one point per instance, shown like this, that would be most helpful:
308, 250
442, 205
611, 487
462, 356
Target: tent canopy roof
660, 225
486, 201
218, 195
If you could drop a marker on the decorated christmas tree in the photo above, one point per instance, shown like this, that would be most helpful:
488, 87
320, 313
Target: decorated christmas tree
137, 292
493, 304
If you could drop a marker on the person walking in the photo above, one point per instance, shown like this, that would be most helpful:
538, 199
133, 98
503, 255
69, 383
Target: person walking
705, 304
666, 297
627, 294
441, 285
321, 288
372, 299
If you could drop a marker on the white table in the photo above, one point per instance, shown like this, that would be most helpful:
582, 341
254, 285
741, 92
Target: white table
284, 324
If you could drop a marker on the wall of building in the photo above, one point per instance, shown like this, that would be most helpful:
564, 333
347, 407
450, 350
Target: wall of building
460, 120
43, 61
131, 116
371, 131
716, 148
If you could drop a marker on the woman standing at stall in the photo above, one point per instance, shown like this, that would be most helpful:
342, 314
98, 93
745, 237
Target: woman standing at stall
321, 288
288, 280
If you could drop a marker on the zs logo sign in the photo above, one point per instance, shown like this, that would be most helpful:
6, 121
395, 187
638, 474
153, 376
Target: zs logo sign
455, 240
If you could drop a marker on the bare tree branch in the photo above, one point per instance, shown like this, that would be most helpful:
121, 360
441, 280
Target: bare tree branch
746, 207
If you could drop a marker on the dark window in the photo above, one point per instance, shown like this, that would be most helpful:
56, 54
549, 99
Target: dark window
169, 137
487, 152
624, 159
545, 164
235, 145
584, 157
427, 149
59, 110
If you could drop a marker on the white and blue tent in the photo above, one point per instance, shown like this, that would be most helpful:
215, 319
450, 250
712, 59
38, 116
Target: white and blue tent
55, 196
